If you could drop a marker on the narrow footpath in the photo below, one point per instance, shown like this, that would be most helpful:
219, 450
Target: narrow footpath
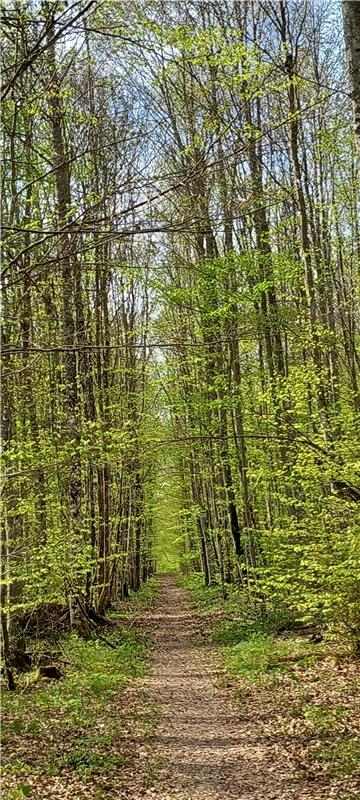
207, 748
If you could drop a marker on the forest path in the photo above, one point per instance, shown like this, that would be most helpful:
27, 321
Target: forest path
208, 746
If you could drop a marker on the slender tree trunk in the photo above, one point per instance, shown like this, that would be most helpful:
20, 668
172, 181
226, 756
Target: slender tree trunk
351, 15
66, 259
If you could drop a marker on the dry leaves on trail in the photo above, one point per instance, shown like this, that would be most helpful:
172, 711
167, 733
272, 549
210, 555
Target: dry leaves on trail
187, 731
86, 764
212, 745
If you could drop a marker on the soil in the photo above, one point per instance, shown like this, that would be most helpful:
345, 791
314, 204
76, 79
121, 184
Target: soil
208, 747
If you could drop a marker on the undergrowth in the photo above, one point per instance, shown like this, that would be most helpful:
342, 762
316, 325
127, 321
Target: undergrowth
241, 613
94, 674
73, 723
137, 602
312, 685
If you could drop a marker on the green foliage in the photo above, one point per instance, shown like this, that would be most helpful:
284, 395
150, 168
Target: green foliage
23, 790
204, 598
324, 718
137, 602
88, 763
261, 658
231, 632
178, 391
82, 707
167, 519
341, 758
18, 767
94, 676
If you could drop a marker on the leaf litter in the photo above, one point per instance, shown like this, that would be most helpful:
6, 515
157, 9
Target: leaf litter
188, 731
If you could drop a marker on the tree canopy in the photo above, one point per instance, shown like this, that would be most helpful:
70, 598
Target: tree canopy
180, 330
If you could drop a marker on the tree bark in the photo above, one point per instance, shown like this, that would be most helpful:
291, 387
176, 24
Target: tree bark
351, 16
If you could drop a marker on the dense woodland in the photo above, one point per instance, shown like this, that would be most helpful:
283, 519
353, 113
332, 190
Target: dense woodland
180, 330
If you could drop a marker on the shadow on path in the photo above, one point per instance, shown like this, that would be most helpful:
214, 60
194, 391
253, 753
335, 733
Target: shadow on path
208, 749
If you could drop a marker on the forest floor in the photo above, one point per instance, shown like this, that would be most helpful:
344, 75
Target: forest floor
224, 739
281, 724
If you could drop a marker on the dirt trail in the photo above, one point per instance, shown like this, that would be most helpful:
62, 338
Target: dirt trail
209, 749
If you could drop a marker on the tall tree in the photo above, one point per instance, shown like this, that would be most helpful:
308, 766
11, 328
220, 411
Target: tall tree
351, 13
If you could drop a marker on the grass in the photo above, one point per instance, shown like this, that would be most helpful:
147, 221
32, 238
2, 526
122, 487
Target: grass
21, 791
323, 718
87, 763
260, 658
137, 602
204, 598
95, 674
247, 632
75, 724
241, 614
343, 759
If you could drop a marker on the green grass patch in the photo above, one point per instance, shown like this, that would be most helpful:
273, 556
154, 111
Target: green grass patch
18, 767
231, 632
332, 746
145, 595
137, 602
325, 718
90, 753
75, 707
86, 763
341, 758
239, 609
94, 675
205, 598
21, 791
247, 630
261, 657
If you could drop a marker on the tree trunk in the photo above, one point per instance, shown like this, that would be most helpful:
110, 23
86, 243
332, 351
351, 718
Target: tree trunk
351, 15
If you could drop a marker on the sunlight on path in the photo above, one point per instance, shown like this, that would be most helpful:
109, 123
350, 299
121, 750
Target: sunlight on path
208, 750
